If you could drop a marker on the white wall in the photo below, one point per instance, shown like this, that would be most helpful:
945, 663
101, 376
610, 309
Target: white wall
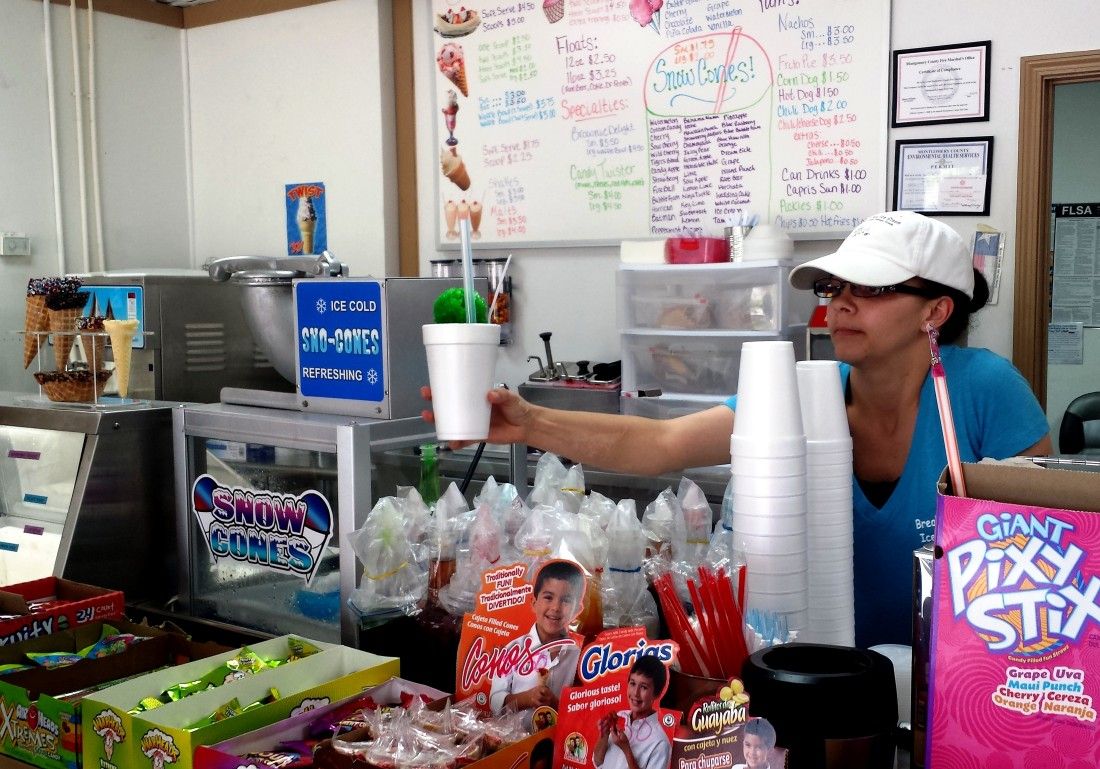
297, 96
141, 151
1075, 179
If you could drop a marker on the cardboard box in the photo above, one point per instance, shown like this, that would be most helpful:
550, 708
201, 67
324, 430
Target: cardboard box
38, 727
112, 738
226, 755
83, 604
1015, 661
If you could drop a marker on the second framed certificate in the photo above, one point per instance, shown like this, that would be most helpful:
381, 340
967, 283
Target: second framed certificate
947, 177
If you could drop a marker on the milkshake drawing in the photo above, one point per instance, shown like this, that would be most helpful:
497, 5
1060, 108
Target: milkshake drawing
307, 222
450, 117
475, 219
450, 212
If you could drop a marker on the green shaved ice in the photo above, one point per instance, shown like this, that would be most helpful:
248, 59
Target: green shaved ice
450, 307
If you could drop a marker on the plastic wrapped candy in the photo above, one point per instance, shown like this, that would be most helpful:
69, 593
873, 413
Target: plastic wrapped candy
483, 549
698, 519
537, 536
554, 483
722, 552
597, 508
443, 536
418, 518
625, 591
505, 502
663, 526
395, 572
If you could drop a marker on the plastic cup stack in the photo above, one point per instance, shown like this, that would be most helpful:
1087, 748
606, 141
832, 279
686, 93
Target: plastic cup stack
768, 461
829, 503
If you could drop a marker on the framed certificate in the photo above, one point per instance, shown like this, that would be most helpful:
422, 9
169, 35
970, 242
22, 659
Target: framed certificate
946, 177
943, 84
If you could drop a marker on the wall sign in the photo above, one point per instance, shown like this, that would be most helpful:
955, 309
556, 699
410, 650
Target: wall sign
594, 121
340, 339
944, 177
942, 84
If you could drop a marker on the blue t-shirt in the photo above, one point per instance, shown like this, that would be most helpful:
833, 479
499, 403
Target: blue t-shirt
996, 415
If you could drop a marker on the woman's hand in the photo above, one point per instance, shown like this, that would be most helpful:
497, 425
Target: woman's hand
509, 419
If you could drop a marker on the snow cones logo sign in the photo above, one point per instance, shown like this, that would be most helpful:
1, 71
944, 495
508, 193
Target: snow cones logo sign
281, 532
108, 726
1019, 583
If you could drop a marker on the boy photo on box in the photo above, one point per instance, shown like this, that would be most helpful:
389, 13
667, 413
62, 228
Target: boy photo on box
558, 599
641, 742
758, 744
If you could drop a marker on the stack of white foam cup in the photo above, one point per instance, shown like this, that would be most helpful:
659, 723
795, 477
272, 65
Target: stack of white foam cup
768, 461
829, 502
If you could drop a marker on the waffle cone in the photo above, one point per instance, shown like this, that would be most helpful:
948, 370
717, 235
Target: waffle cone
93, 351
122, 338
73, 391
36, 319
458, 77
460, 176
63, 320
306, 227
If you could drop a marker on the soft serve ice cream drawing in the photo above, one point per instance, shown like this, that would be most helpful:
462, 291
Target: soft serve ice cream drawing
307, 222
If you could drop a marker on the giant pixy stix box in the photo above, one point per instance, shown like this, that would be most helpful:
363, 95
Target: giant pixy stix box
1015, 658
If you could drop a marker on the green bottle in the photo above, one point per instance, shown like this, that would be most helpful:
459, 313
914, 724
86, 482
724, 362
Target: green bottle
429, 474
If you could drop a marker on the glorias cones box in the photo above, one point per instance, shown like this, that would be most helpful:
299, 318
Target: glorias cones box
1015, 657
615, 713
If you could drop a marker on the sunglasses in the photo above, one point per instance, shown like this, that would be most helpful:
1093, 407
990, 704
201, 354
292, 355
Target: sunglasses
829, 288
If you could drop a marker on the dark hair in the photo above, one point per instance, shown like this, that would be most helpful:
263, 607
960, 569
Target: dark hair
652, 668
566, 571
763, 729
959, 320
544, 749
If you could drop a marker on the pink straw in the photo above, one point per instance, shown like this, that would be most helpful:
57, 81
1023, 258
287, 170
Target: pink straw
947, 420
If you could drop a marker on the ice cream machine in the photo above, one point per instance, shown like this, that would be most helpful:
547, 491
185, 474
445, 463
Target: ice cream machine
197, 340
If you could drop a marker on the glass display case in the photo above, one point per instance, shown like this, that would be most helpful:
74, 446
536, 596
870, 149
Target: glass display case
81, 490
266, 500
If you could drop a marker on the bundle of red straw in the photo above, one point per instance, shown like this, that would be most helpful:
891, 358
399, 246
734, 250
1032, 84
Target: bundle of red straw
713, 645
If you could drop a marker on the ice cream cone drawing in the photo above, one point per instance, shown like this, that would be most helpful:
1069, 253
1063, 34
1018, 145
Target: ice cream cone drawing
450, 213
452, 63
122, 339
63, 310
475, 219
307, 222
450, 116
454, 168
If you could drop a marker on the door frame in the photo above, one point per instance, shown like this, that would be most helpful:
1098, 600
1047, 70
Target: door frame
1039, 76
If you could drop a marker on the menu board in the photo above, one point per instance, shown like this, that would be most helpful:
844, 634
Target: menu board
571, 121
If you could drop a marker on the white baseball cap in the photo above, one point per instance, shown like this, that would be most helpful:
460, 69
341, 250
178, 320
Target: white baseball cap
891, 248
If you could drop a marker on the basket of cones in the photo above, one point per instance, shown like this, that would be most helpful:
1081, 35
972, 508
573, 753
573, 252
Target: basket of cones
72, 386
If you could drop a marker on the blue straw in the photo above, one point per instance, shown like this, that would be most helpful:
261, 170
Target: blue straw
467, 269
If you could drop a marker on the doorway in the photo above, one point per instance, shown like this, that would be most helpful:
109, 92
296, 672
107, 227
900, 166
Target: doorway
1040, 76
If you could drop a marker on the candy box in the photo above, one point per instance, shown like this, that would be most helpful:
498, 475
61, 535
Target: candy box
112, 737
226, 755
70, 604
533, 752
1015, 649
40, 708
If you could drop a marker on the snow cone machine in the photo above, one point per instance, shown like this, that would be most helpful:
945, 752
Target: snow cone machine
270, 484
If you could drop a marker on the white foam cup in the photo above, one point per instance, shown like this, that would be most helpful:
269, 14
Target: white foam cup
757, 486
772, 467
760, 582
767, 392
819, 390
771, 545
770, 525
770, 507
461, 362
776, 563
795, 602
901, 657
766, 446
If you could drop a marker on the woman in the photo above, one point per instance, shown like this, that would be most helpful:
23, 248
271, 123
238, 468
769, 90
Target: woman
895, 274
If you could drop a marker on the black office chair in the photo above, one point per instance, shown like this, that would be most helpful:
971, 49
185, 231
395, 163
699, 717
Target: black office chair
1080, 430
